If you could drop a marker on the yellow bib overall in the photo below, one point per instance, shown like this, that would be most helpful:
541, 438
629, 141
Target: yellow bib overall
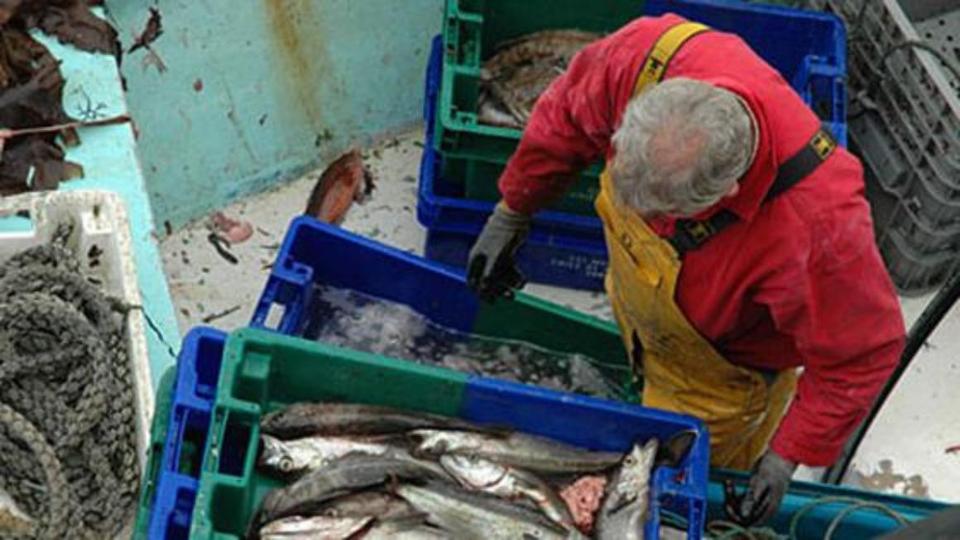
681, 370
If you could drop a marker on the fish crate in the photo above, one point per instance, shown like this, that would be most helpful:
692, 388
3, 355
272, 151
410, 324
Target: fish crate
158, 437
919, 256
264, 371
915, 273
303, 263
808, 48
103, 246
910, 130
562, 249
316, 254
179, 436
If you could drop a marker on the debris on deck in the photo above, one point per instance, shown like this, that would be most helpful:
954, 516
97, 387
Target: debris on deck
31, 89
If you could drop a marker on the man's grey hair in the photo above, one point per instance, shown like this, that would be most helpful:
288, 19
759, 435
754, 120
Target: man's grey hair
681, 147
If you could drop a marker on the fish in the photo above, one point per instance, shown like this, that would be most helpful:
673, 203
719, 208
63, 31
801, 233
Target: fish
413, 528
344, 181
314, 528
494, 113
353, 472
369, 503
298, 456
342, 419
475, 516
671, 452
515, 449
624, 509
512, 80
506, 482
554, 48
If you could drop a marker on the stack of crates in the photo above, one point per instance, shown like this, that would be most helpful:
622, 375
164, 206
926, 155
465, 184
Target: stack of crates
202, 481
907, 130
463, 158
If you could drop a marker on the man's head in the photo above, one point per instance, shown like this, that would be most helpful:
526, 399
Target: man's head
681, 147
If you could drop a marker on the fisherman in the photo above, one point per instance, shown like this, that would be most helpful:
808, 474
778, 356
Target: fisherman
740, 244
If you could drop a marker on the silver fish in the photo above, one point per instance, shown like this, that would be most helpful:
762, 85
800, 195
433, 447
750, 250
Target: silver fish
347, 475
509, 483
314, 528
473, 516
624, 509
516, 449
298, 456
340, 419
370, 503
404, 529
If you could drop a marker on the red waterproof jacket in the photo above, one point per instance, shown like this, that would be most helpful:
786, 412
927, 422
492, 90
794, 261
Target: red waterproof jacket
798, 281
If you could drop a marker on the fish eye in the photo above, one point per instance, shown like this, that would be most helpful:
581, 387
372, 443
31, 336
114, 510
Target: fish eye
285, 464
629, 460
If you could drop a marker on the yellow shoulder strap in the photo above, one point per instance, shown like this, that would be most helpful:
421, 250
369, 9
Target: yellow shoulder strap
663, 51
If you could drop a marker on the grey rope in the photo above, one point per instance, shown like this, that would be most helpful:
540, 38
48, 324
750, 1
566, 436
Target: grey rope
68, 454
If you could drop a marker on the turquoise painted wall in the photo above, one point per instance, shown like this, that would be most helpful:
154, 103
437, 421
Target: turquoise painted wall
255, 91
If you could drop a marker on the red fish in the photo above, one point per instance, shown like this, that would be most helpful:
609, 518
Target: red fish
342, 182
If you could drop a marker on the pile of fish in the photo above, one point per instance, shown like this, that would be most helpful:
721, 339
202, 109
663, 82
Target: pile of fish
521, 69
363, 471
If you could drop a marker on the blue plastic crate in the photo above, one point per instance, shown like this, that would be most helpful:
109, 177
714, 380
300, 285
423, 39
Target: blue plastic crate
198, 369
566, 250
808, 48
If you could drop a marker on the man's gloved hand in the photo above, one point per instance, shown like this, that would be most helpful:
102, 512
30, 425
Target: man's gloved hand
768, 484
491, 270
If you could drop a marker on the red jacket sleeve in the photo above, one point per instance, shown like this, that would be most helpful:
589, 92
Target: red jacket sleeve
569, 128
844, 316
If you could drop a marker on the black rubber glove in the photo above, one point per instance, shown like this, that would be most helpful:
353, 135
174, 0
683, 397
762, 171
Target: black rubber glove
768, 484
492, 271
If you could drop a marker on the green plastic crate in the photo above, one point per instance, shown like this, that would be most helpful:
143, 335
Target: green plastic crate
476, 153
158, 437
264, 371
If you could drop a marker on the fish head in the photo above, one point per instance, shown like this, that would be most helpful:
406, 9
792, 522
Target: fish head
472, 471
430, 442
277, 456
633, 476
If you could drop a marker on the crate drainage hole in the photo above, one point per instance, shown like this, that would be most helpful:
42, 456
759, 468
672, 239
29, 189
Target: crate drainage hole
274, 316
233, 448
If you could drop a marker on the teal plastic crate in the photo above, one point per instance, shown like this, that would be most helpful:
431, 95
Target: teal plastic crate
263, 372
158, 436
